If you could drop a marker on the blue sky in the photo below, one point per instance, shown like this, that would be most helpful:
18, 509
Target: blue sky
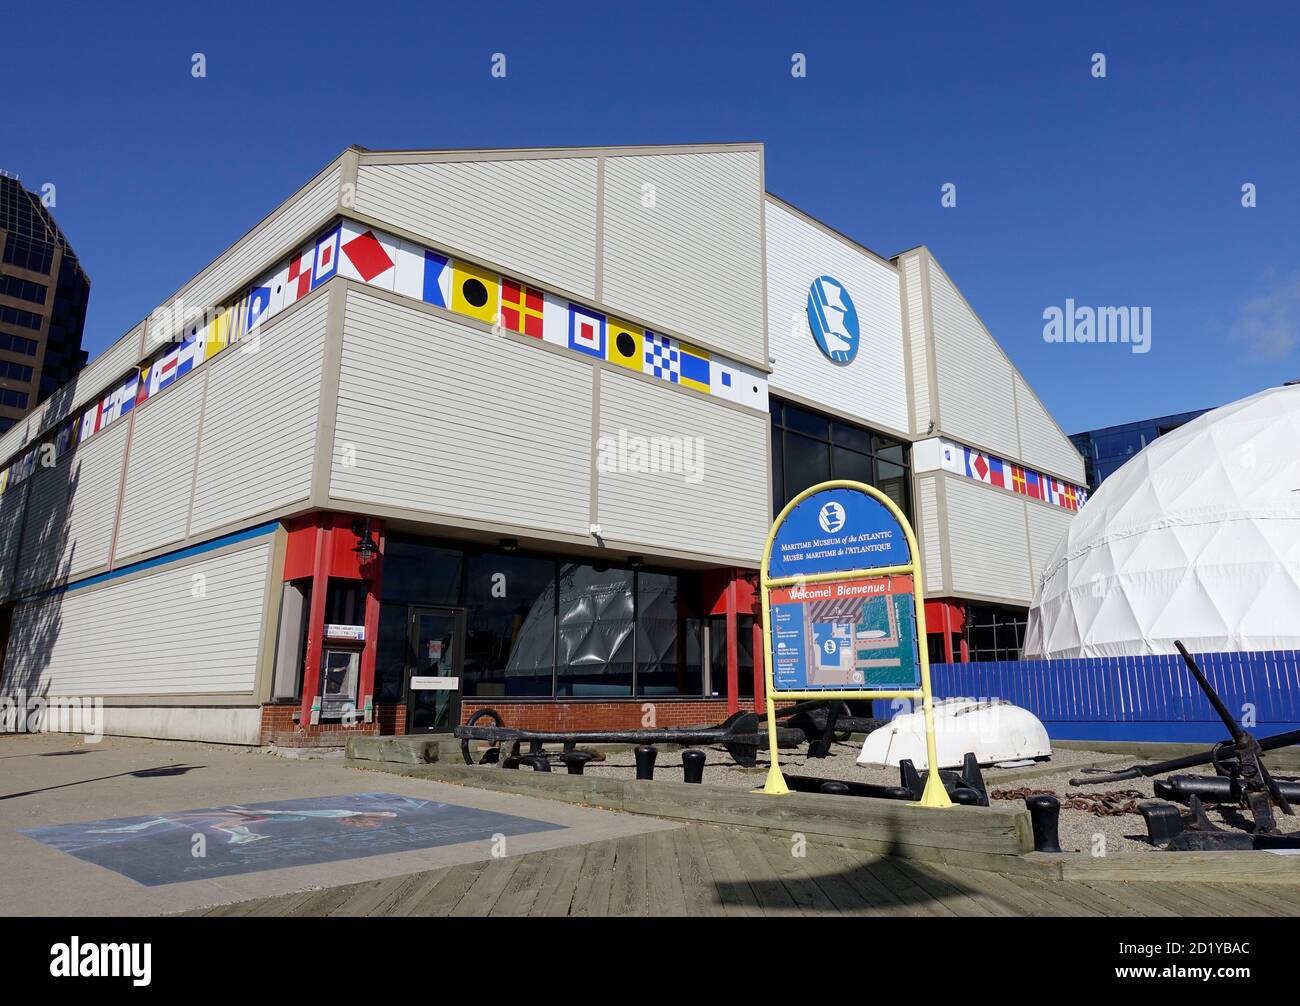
1122, 191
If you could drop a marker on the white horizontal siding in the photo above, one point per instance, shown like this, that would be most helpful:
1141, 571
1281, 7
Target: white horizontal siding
1045, 447
13, 506
917, 337
447, 419
725, 513
873, 386
259, 421
146, 635
692, 261
256, 252
71, 511
987, 546
102, 373
927, 512
976, 382
160, 469
1047, 527
533, 215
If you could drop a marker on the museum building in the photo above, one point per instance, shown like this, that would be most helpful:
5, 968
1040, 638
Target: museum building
456, 429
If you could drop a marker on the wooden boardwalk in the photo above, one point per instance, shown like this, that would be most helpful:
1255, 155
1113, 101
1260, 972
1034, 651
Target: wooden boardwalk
707, 870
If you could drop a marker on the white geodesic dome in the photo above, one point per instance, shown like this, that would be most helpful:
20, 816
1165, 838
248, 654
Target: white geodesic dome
1196, 538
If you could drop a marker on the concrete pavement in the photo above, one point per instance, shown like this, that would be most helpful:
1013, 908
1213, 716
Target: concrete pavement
50, 779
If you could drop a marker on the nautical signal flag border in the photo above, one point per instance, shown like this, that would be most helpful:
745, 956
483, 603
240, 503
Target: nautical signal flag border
980, 466
367, 255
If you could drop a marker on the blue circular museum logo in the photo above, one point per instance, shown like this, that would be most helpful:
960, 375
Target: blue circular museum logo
833, 319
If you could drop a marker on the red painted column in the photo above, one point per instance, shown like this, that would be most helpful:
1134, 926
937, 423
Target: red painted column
947, 632
316, 625
733, 649
760, 672
373, 571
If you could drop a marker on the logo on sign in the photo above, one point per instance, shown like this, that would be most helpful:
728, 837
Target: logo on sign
831, 517
833, 319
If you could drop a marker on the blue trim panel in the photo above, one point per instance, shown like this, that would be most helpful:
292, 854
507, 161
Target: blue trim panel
161, 560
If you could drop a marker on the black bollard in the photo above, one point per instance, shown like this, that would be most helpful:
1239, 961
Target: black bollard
693, 765
539, 763
964, 796
645, 761
576, 761
899, 793
1164, 821
1045, 813
834, 788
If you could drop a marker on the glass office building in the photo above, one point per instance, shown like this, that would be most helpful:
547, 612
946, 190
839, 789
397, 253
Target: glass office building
1105, 450
43, 297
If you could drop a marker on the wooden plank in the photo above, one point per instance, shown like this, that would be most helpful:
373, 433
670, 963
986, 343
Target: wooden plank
321, 903
239, 909
949, 887
485, 891
855, 868
392, 897
700, 886
428, 880
448, 891
664, 876
591, 897
1130, 894
518, 897
733, 889
772, 896
1009, 895
1172, 898
898, 876
793, 873
1100, 903
629, 894
367, 896
827, 869
556, 892
1269, 899
285, 906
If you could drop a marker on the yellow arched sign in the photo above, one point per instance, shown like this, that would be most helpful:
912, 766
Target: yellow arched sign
832, 551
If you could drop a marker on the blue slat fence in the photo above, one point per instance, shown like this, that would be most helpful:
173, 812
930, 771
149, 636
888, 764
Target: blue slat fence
1148, 698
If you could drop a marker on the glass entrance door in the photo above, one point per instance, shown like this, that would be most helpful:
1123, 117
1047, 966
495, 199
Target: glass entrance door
434, 670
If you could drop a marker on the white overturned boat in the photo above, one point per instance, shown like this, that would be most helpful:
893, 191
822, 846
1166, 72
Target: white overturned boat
994, 729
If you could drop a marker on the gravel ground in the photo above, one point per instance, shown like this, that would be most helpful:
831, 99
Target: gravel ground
1080, 830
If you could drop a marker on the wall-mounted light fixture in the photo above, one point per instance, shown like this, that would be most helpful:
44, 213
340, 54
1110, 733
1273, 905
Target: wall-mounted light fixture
636, 561
509, 544
366, 548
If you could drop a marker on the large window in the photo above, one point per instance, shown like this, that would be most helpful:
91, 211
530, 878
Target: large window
538, 626
597, 618
509, 626
670, 635
808, 447
995, 633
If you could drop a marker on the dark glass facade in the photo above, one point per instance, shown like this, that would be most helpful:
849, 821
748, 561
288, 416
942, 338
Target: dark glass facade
1106, 450
545, 626
995, 633
35, 257
809, 447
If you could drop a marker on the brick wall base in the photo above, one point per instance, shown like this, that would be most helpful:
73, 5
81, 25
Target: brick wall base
280, 728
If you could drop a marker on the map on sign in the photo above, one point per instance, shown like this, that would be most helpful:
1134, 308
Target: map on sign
845, 635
